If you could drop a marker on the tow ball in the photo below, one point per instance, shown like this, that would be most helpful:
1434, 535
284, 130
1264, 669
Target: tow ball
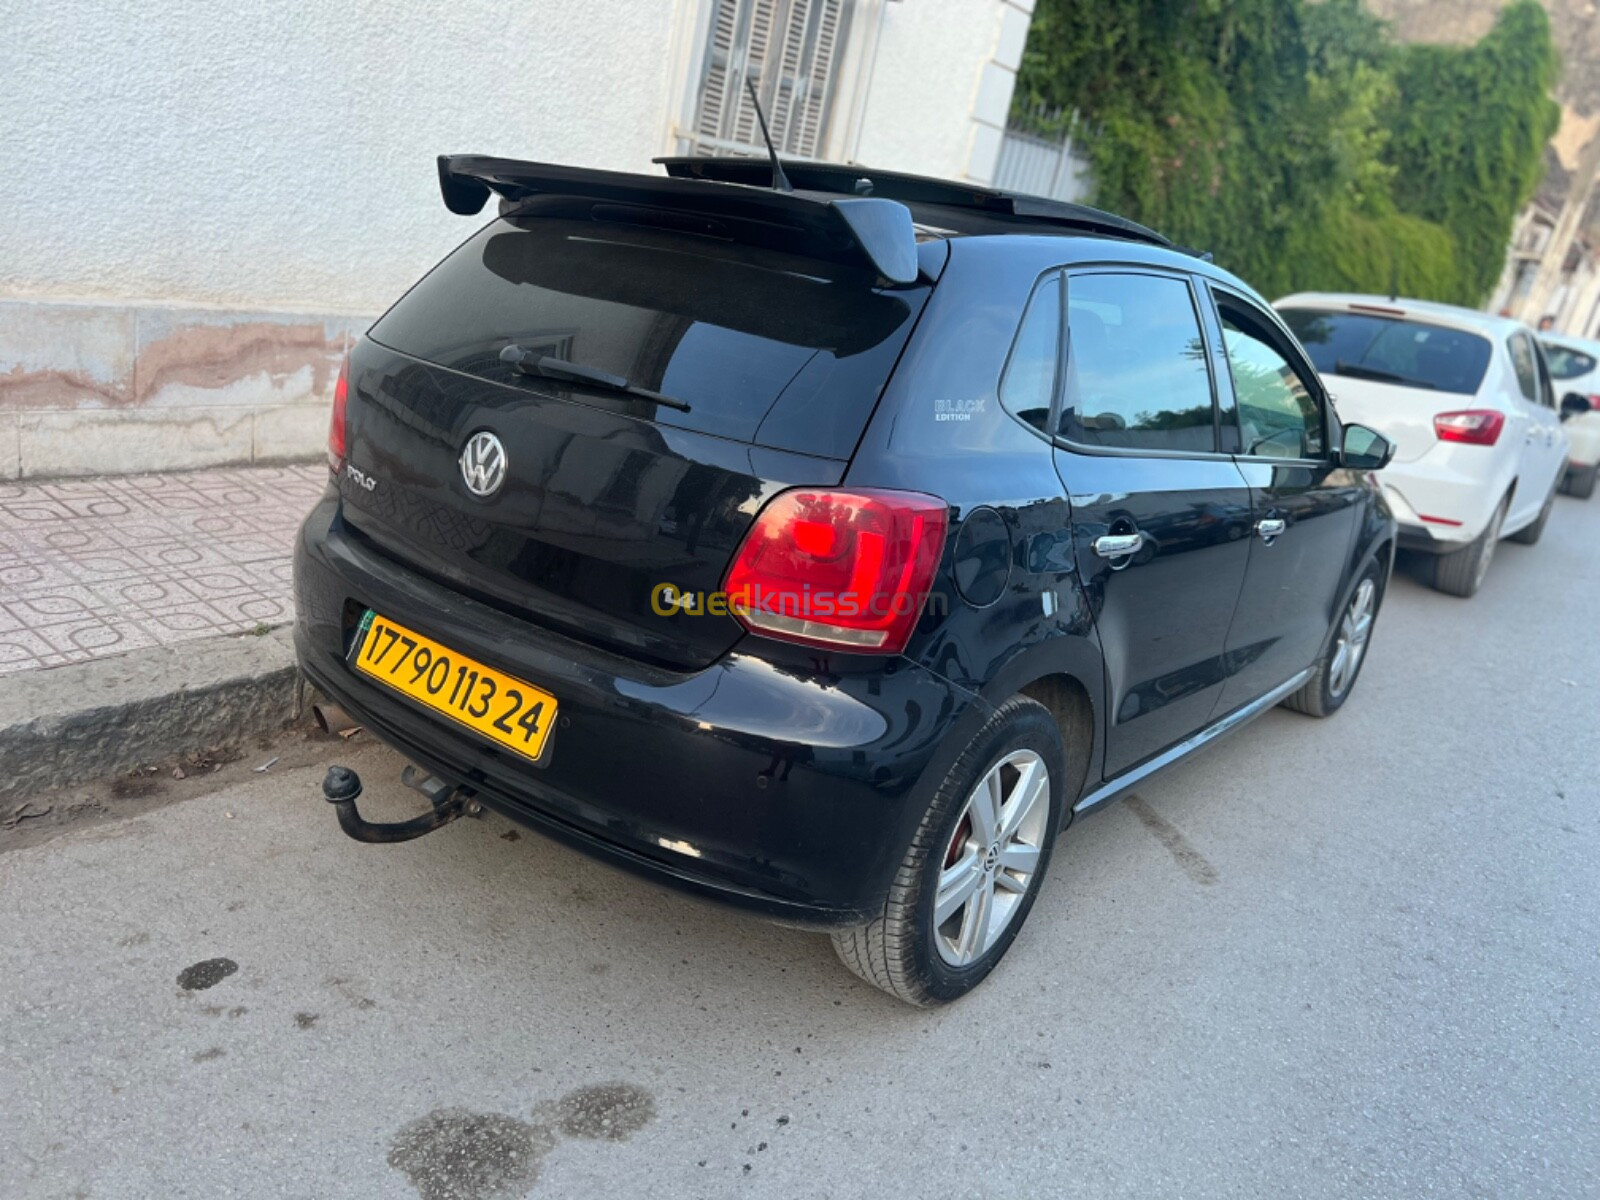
341, 787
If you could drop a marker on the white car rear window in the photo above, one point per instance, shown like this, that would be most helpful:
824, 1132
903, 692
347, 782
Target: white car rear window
1391, 349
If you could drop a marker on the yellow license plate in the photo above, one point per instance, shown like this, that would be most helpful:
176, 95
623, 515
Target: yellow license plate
505, 710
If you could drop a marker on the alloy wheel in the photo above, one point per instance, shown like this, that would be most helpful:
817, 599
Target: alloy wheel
1493, 540
1354, 630
992, 858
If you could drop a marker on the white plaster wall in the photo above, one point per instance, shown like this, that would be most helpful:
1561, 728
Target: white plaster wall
941, 86
279, 153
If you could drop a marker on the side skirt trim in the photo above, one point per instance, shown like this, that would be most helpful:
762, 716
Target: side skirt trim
1111, 789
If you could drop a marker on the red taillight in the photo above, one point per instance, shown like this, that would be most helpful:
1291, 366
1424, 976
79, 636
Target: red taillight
846, 570
1476, 426
336, 421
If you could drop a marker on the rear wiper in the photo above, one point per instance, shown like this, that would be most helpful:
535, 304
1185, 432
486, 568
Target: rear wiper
543, 365
1360, 372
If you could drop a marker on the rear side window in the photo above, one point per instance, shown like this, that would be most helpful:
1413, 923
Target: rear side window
1566, 363
1391, 350
727, 328
1029, 381
1547, 390
1522, 362
1136, 365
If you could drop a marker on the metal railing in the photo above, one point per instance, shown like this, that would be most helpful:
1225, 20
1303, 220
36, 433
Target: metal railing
1042, 164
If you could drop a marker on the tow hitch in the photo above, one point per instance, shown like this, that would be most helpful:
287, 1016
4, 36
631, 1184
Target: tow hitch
341, 787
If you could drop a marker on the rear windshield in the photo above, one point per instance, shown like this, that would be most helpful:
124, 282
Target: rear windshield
1391, 349
1566, 363
727, 329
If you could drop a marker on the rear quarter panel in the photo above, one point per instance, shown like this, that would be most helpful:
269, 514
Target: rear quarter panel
941, 429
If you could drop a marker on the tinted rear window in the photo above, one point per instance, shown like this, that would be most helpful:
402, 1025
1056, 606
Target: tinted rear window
1391, 349
729, 329
1566, 363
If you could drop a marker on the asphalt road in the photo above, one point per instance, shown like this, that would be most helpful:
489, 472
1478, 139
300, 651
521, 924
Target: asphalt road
1353, 957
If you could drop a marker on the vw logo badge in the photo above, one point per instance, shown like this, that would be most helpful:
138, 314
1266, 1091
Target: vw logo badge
483, 463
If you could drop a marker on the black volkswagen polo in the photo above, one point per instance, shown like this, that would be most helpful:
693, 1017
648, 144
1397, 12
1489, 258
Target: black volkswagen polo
826, 550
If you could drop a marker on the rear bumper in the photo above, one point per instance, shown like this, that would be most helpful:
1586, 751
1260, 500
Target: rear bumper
1422, 489
1420, 537
793, 794
1583, 438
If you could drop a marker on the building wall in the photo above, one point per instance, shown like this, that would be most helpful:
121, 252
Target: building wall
203, 204
941, 86
280, 153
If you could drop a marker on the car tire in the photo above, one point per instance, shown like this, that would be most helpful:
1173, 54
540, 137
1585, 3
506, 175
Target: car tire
903, 951
1462, 572
1580, 483
1529, 535
1335, 676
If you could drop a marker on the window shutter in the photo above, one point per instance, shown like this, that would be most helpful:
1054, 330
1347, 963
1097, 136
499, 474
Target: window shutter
790, 48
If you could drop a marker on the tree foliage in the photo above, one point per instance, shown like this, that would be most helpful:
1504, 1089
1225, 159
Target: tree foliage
1298, 141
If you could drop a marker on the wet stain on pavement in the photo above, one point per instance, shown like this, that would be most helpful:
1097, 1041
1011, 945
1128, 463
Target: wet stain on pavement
216, 1010
207, 973
1194, 863
135, 788
455, 1154
609, 1112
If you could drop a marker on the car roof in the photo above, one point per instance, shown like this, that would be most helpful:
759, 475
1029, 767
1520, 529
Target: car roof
939, 206
1421, 310
1046, 250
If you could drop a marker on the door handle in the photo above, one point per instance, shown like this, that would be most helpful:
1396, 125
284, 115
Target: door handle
1118, 545
1270, 527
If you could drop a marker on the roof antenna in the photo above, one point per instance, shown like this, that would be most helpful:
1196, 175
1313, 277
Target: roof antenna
780, 181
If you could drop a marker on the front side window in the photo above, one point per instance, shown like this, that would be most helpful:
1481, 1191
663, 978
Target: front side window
1030, 376
1136, 374
1278, 413
1522, 362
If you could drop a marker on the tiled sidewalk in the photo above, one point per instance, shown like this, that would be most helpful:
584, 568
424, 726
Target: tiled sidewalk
94, 567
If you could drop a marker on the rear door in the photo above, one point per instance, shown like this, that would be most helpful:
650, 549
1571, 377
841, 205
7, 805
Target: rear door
1277, 416
775, 363
1161, 516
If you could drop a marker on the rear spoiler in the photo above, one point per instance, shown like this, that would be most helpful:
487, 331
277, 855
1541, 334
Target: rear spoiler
866, 231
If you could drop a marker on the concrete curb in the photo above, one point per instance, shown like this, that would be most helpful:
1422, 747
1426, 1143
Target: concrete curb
69, 725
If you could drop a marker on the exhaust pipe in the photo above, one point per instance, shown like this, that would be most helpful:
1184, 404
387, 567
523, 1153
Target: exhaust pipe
331, 718
341, 787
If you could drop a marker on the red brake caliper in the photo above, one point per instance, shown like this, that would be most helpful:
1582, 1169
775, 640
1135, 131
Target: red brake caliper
963, 832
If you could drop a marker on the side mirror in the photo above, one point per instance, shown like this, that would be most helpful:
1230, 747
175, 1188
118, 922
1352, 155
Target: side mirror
1575, 405
1365, 449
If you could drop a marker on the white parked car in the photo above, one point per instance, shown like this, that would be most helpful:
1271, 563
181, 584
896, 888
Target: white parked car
1575, 370
1467, 399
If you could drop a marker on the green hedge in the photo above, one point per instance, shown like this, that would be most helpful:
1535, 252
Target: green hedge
1298, 141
